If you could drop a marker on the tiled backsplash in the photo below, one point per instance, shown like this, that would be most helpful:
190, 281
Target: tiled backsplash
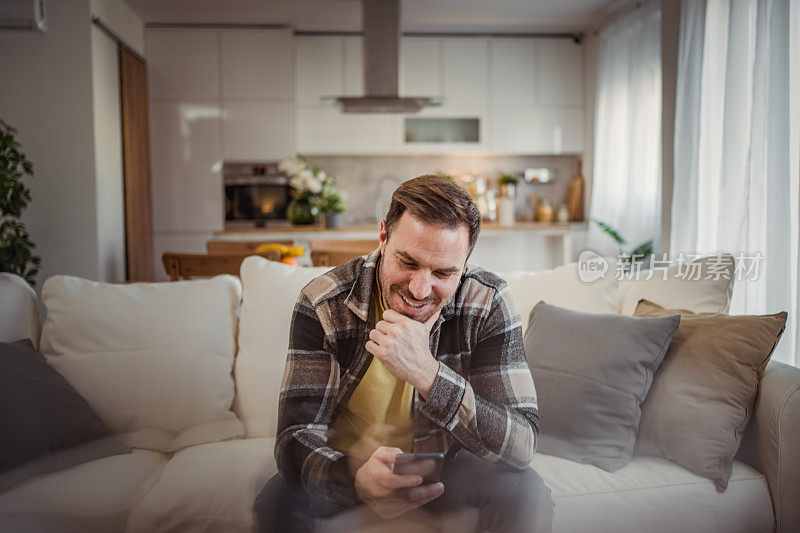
369, 180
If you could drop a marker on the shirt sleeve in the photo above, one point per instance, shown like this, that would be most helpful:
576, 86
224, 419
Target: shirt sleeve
494, 413
307, 400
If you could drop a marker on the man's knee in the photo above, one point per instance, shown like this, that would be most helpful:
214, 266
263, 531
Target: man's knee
533, 488
277, 502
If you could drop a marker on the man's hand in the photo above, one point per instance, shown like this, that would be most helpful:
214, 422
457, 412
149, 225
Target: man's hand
388, 494
403, 346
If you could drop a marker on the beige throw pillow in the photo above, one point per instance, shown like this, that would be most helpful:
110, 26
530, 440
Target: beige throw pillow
703, 394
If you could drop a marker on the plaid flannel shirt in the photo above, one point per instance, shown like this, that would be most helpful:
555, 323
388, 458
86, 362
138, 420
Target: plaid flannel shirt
483, 396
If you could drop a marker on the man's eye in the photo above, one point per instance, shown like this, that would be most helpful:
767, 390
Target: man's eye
406, 263
443, 275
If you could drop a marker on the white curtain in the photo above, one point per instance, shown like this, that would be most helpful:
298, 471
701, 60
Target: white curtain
736, 148
626, 188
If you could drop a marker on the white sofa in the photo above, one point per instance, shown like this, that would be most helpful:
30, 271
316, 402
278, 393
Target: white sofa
190, 480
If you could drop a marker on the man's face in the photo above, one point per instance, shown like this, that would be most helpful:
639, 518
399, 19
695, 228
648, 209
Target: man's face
421, 266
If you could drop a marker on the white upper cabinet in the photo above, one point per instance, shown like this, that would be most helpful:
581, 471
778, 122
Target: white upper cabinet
561, 65
513, 71
256, 65
182, 64
319, 68
324, 129
257, 91
353, 67
420, 67
465, 70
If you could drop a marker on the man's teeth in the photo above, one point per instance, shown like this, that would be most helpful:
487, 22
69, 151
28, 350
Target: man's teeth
412, 304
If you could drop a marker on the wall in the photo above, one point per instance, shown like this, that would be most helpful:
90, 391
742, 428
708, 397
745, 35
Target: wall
122, 20
108, 158
46, 93
670, 33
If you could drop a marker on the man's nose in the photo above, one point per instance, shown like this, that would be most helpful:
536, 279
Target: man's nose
420, 285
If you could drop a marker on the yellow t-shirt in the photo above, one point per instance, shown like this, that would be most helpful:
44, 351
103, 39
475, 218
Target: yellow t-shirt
380, 398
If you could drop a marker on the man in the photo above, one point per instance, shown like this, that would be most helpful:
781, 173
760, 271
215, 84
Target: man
408, 349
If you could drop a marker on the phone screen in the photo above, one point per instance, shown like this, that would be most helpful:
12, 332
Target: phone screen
427, 465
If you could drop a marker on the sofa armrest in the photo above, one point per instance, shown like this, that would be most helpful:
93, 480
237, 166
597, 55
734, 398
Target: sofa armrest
771, 442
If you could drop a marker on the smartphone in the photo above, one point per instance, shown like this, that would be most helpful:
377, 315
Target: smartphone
427, 465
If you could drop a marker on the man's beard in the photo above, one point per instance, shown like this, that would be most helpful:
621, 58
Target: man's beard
386, 292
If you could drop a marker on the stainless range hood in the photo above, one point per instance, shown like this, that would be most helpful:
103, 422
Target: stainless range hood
381, 44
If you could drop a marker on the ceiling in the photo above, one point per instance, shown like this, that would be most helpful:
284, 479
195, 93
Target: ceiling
486, 16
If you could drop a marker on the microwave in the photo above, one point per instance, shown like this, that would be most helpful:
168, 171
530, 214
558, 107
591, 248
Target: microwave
256, 195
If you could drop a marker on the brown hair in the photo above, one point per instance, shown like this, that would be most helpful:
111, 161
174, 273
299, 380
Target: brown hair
435, 200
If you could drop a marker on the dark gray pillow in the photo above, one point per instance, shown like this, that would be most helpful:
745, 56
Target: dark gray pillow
592, 373
45, 425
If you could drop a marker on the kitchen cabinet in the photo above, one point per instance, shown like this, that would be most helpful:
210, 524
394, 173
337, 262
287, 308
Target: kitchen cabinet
536, 97
256, 65
257, 130
353, 67
561, 65
465, 65
319, 68
514, 72
420, 66
186, 160
333, 66
323, 129
214, 95
257, 92
182, 64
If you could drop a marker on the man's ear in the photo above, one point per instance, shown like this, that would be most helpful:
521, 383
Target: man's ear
382, 235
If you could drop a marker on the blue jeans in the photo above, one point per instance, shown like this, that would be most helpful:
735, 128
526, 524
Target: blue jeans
507, 500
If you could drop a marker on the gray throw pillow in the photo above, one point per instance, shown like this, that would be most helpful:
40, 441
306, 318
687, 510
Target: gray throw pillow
45, 425
592, 373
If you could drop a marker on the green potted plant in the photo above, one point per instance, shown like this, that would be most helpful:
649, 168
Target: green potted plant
640, 254
332, 204
508, 185
16, 247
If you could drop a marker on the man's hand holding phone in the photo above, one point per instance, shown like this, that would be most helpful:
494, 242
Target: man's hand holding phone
391, 494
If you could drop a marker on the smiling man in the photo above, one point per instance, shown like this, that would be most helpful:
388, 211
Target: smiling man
408, 349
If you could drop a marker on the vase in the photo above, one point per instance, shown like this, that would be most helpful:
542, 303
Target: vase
301, 212
333, 220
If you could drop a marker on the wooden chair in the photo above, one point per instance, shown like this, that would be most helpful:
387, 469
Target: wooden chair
186, 266
239, 247
337, 252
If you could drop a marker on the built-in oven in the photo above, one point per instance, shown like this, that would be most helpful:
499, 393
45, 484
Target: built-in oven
256, 195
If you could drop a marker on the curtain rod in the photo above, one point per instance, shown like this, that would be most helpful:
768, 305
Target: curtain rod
576, 37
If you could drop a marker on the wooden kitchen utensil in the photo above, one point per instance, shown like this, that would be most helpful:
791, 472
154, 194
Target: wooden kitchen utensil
575, 194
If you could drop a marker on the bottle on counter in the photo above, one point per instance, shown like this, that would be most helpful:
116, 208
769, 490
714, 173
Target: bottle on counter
506, 215
545, 211
562, 215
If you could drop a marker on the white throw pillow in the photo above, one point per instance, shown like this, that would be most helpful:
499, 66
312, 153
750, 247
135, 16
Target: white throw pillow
153, 360
269, 292
703, 285
563, 287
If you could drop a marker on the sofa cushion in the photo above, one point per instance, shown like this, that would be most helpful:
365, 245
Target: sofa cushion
19, 310
701, 285
45, 425
592, 373
703, 394
653, 495
210, 487
95, 496
562, 286
154, 360
269, 292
